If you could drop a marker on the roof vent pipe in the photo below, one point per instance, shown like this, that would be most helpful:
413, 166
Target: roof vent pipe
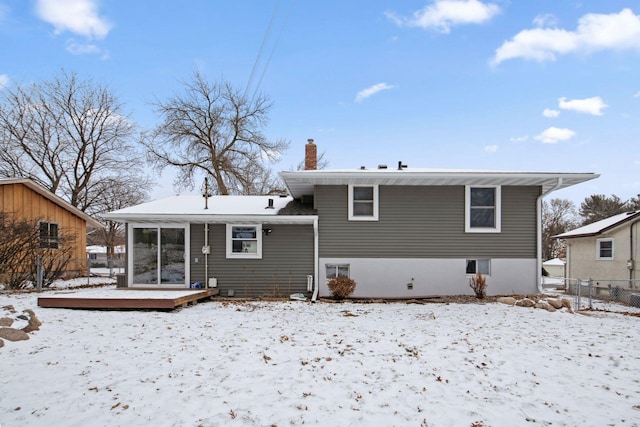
401, 166
270, 204
382, 166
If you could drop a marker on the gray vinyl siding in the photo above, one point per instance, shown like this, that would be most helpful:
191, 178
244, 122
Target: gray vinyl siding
287, 259
424, 222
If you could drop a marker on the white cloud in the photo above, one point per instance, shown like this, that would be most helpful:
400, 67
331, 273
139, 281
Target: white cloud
637, 95
553, 135
441, 15
595, 32
519, 139
545, 20
593, 105
491, 148
550, 113
370, 91
77, 16
4, 81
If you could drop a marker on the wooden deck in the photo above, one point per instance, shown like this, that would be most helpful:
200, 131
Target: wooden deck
126, 299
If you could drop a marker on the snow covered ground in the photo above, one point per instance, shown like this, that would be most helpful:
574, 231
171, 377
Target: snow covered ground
293, 363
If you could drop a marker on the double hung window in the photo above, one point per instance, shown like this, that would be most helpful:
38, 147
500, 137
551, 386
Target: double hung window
48, 233
363, 202
482, 205
244, 241
604, 249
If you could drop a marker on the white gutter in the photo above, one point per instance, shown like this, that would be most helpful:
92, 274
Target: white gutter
212, 219
316, 260
539, 233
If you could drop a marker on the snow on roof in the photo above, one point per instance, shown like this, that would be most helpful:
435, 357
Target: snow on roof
554, 261
192, 208
599, 226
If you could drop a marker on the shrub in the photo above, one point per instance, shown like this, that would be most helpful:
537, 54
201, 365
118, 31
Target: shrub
479, 285
341, 287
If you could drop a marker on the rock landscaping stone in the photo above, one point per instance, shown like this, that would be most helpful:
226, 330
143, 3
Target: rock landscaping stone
525, 303
555, 303
11, 334
9, 308
545, 306
507, 300
34, 322
6, 321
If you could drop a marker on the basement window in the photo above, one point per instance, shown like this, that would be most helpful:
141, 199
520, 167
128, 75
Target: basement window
482, 266
604, 249
336, 270
244, 241
363, 202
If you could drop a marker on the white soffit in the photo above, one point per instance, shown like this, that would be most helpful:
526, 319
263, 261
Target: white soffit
301, 183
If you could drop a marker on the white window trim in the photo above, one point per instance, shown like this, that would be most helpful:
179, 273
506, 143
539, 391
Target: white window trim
235, 255
477, 260
353, 217
613, 248
467, 210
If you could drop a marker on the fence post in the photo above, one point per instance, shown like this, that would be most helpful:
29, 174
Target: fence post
590, 293
39, 273
88, 269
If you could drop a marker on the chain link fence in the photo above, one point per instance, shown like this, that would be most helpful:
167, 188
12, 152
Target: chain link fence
625, 292
46, 269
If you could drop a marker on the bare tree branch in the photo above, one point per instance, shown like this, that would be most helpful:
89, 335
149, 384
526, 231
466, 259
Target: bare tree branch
211, 129
67, 135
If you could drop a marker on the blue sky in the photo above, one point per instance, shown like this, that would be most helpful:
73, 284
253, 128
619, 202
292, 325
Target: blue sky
545, 85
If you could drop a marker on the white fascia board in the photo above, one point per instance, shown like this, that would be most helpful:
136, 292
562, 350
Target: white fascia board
221, 219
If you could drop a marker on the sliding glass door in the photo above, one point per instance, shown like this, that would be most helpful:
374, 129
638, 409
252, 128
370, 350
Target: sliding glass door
158, 254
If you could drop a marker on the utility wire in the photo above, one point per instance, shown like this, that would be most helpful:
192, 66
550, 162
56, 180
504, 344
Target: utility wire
263, 45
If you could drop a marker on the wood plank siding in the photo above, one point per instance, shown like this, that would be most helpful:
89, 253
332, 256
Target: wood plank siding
23, 202
424, 222
287, 259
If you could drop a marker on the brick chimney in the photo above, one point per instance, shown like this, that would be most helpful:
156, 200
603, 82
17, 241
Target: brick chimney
310, 156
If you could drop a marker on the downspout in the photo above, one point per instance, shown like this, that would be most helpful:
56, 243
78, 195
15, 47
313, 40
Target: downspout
631, 260
539, 234
316, 261
206, 256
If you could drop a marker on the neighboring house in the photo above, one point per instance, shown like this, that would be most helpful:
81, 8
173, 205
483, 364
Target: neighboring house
98, 256
24, 199
605, 250
399, 233
554, 267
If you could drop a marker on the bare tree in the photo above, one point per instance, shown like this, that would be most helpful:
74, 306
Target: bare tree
598, 206
67, 135
212, 129
116, 193
558, 216
21, 250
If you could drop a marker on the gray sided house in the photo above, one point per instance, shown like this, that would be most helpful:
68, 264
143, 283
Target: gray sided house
399, 233
605, 251
246, 246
